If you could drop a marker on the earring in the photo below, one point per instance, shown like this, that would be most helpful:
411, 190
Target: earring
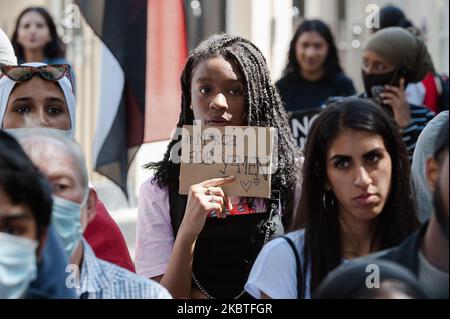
327, 203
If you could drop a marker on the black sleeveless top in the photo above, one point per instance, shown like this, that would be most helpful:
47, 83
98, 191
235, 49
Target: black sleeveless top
225, 249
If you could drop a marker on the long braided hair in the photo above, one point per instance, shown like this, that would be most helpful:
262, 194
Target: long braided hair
264, 108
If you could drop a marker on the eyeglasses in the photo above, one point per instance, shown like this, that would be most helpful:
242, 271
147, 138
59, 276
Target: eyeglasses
50, 72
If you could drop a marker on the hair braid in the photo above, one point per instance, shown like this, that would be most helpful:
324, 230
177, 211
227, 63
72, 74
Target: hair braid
264, 109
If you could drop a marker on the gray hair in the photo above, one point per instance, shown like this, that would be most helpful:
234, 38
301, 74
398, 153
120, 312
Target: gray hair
39, 141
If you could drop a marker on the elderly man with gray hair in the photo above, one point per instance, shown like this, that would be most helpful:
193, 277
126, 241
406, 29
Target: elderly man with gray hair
51, 267
62, 161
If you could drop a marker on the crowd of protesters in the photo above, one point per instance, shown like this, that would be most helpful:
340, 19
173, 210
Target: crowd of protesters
369, 190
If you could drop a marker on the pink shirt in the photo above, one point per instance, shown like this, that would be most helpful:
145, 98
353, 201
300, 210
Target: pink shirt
154, 238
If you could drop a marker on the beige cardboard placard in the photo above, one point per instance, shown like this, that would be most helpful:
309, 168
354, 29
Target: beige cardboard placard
241, 151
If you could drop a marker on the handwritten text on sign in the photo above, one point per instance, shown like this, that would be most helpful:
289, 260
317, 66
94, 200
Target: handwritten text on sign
242, 151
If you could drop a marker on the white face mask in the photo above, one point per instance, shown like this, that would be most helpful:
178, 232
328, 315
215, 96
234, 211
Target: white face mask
66, 217
17, 265
18, 133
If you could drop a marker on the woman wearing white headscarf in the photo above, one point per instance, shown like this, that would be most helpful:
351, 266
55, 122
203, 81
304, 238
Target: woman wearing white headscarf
44, 107
51, 268
38, 102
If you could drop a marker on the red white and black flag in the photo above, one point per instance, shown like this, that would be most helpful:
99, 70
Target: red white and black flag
143, 55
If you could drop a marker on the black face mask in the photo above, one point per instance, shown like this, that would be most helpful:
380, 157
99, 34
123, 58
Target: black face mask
374, 83
439, 211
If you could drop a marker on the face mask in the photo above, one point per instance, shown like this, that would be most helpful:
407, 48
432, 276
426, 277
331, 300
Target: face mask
374, 83
17, 265
18, 133
66, 218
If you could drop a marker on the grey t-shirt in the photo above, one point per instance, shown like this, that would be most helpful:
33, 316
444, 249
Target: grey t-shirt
424, 149
433, 281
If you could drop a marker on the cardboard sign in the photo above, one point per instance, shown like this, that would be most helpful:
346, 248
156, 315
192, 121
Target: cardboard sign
241, 151
301, 123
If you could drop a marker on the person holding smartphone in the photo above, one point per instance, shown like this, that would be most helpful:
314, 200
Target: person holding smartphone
392, 58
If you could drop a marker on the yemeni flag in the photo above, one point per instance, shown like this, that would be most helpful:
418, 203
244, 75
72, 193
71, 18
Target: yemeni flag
143, 54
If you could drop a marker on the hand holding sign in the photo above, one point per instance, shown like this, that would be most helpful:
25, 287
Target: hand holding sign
204, 198
242, 151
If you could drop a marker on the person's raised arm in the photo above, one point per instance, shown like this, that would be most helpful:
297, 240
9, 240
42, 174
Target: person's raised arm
203, 198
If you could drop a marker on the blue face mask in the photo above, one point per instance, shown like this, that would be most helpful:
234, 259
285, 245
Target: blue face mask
66, 219
17, 265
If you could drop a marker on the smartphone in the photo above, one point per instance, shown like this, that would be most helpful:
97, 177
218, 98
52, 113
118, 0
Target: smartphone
376, 90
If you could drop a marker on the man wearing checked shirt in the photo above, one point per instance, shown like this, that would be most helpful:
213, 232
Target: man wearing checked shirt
62, 161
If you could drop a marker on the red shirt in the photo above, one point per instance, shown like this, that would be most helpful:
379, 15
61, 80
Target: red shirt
107, 240
431, 93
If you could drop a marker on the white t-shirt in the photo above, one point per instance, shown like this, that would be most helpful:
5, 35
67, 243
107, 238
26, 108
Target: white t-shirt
275, 270
415, 93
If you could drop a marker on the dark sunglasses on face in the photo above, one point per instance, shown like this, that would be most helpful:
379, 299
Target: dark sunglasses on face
22, 73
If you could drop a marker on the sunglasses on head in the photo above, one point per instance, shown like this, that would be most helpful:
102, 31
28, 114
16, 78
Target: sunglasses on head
22, 73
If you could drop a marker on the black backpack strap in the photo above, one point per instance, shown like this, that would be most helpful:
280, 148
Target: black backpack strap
300, 290
177, 205
443, 98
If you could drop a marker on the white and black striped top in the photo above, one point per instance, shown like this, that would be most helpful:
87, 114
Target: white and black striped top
420, 116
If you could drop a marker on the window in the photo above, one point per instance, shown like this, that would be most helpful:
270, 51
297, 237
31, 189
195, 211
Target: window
203, 18
298, 11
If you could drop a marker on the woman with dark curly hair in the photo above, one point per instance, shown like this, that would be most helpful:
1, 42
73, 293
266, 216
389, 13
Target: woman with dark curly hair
225, 82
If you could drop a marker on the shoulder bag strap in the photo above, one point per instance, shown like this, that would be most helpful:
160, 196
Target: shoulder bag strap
300, 290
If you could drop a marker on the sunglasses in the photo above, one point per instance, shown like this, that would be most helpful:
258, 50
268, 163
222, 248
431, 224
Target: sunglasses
22, 73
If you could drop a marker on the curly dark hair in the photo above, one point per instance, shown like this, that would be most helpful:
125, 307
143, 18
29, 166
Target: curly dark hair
322, 228
54, 49
264, 108
332, 65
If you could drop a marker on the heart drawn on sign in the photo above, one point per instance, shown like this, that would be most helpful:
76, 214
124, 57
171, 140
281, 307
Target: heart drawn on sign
246, 185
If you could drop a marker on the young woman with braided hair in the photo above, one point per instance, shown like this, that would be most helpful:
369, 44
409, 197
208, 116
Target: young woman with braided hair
225, 82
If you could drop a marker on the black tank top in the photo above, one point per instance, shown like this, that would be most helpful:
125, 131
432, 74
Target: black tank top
225, 249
